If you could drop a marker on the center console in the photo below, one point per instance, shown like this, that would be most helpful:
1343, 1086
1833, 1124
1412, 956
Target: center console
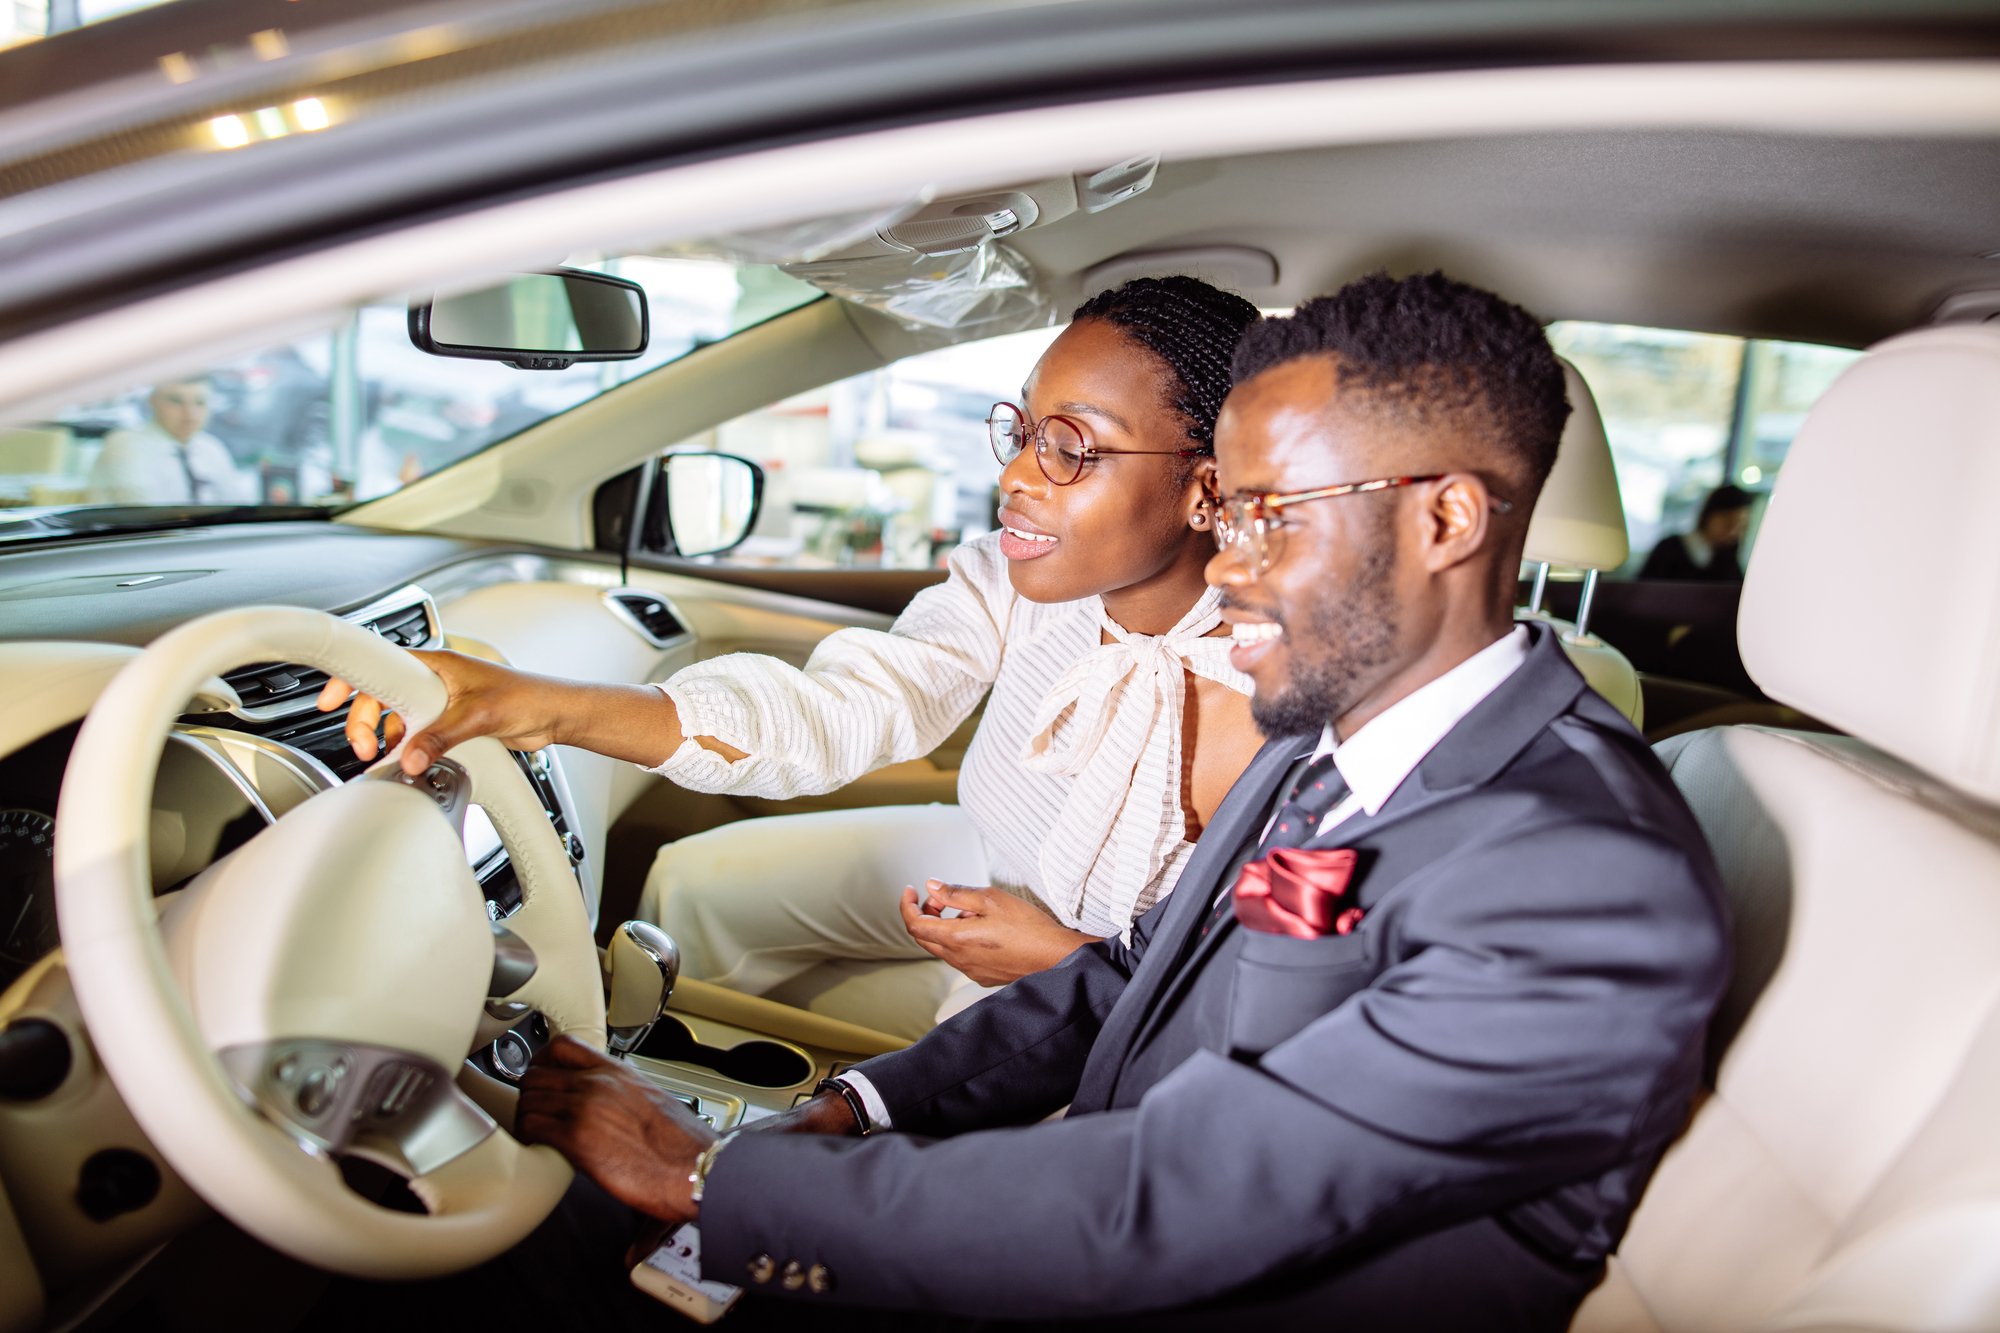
745, 1057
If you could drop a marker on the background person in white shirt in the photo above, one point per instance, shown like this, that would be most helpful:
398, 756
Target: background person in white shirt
1087, 622
170, 460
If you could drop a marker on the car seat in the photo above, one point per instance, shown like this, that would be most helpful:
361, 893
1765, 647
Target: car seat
1843, 1172
1579, 524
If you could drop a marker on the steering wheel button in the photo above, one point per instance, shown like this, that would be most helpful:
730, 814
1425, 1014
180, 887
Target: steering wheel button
511, 1053
315, 1094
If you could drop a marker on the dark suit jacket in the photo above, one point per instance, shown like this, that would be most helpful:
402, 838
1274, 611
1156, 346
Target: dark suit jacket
1507, 1042
1671, 559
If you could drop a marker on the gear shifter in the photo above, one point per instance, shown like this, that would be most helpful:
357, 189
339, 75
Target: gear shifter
643, 963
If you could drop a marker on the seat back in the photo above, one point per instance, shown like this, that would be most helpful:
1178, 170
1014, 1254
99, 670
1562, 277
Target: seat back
1844, 1171
1579, 524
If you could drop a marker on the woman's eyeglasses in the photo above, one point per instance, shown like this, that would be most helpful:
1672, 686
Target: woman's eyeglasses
1060, 449
1250, 523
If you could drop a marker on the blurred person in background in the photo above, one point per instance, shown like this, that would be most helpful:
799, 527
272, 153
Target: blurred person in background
172, 459
1712, 553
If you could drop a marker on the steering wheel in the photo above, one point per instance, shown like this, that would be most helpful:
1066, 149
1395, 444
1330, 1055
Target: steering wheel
313, 994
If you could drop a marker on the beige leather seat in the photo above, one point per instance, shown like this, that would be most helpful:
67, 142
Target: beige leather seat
1845, 1172
1579, 524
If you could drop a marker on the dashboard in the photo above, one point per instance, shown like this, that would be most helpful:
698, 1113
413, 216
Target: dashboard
225, 775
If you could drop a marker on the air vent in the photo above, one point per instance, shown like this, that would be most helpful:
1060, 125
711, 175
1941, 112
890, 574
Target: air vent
405, 618
407, 628
270, 683
652, 616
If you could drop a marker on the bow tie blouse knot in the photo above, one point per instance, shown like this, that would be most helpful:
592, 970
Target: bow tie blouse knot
1112, 721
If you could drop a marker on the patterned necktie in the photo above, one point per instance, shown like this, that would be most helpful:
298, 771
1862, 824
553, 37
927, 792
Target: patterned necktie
1319, 788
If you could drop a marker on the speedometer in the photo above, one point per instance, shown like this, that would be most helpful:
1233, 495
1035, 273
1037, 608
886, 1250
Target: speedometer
27, 886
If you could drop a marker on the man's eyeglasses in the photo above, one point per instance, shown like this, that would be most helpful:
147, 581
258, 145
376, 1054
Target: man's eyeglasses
1060, 450
1250, 523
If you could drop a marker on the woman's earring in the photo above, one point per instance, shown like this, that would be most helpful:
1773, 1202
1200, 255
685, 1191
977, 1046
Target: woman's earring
1198, 519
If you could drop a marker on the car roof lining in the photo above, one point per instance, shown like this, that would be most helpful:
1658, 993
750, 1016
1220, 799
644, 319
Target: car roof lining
1594, 128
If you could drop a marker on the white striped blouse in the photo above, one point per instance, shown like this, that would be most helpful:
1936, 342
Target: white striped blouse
1073, 778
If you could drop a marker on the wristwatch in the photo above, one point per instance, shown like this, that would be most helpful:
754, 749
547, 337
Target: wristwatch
704, 1163
848, 1094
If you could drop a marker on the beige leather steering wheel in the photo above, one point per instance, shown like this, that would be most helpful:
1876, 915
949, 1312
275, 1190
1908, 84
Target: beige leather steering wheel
316, 993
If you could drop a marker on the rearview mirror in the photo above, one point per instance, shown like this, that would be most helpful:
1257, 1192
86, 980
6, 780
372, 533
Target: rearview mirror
537, 321
703, 504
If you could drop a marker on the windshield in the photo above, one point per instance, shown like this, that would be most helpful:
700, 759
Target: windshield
347, 415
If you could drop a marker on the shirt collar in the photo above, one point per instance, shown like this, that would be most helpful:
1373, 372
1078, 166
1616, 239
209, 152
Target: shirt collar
1375, 760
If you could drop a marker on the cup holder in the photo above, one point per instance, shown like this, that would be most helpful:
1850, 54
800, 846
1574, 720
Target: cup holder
757, 1062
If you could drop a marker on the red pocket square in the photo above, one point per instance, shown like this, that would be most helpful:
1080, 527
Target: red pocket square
1299, 893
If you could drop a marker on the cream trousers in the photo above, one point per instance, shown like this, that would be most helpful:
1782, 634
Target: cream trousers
802, 909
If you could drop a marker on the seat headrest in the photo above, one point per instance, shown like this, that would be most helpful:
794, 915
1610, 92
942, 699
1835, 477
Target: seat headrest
1873, 595
1579, 520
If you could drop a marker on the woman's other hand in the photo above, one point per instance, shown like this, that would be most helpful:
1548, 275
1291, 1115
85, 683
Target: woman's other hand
995, 938
481, 699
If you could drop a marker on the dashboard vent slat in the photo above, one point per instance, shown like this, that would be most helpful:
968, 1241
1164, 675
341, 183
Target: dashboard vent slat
282, 689
274, 682
653, 616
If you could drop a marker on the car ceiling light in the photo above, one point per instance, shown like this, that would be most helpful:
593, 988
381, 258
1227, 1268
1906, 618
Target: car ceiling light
177, 67
271, 122
309, 113
270, 44
1752, 475
229, 131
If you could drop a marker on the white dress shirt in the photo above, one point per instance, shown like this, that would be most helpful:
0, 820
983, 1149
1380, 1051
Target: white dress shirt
147, 466
1374, 761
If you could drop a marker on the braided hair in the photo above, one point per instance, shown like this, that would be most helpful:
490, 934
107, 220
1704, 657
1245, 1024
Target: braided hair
1189, 325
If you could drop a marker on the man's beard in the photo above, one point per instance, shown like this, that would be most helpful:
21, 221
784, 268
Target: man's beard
1335, 652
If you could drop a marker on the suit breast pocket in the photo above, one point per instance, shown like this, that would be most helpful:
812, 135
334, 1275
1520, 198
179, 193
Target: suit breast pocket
1282, 984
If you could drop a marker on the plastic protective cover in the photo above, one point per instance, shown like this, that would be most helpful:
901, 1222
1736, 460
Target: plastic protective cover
987, 287
793, 242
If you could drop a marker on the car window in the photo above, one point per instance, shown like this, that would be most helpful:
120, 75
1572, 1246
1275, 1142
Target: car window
26, 20
889, 469
353, 413
1687, 412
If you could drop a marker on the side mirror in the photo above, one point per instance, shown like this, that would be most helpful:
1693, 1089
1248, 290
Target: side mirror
703, 504
537, 321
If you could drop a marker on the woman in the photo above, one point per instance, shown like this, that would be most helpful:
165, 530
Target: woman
1114, 727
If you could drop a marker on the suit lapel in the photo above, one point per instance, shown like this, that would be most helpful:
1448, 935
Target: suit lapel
1483, 743
1470, 755
1240, 817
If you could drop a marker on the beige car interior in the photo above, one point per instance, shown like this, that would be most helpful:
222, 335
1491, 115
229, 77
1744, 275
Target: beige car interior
341, 955
1578, 527
1839, 1176
1841, 1173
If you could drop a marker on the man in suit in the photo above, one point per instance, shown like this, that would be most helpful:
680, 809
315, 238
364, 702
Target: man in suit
1404, 1045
